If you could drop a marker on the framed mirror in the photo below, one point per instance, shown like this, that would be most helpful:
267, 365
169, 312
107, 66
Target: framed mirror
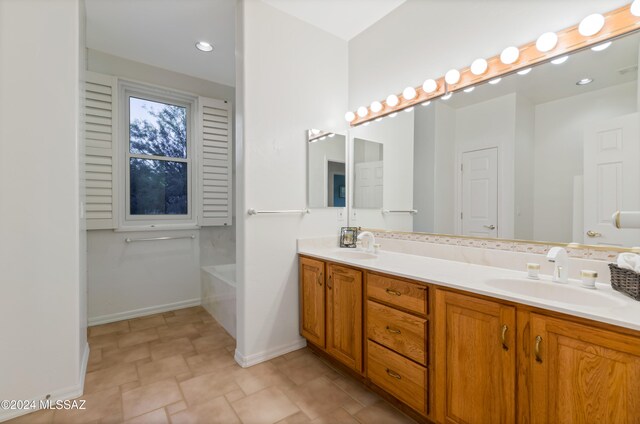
545, 155
326, 165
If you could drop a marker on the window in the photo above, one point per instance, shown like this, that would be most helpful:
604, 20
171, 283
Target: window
158, 157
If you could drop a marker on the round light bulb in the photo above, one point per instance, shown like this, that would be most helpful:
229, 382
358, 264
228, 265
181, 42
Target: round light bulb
393, 115
469, 90
524, 71
203, 46
409, 109
393, 100
378, 119
429, 86
547, 42
479, 66
409, 93
452, 76
447, 96
591, 25
509, 55
349, 116
560, 60
495, 81
601, 47
362, 111
635, 8
585, 81
376, 107
427, 103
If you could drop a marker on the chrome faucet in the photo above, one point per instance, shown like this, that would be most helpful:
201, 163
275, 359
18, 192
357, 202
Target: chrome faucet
370, 242
558, 255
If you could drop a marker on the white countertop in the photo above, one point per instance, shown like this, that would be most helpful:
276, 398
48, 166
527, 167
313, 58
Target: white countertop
476, 279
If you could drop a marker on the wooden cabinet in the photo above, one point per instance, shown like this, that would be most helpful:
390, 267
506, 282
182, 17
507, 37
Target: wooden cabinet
475, 360
344, 315
581, 374
312, 299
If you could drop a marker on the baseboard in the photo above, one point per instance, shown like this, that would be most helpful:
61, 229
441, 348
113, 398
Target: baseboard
119, 316
256, 358
68, 393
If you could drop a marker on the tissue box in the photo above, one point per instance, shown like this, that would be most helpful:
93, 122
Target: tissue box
625, 281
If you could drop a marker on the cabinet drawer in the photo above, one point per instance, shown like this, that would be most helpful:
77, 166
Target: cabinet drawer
400, 331
397, 375
409, 296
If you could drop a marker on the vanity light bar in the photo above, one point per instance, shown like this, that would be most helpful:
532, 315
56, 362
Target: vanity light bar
593, 30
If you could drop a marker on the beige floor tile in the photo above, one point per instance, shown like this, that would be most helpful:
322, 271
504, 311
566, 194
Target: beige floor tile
173, 347
162, 369
159, 416
260, 376
217, 340
137, 337
98, 405
176, 331
306, 367
298, 418
208, 386
209, 362
114, 356
357, 390
339, 416
189, 311
296, 353
106, 378
183, 319
119, 327
44, 416
265, 407
235, 395
115, 418
318, 397
130, 386
149, 397
214, 411
382, 413
146, 322
105, 341
353, 407
176, 407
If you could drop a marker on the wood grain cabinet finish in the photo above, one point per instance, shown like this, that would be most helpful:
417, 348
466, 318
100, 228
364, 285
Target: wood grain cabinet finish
312, 301
398, 293
344, 315
475, 360
397, 330
581, 374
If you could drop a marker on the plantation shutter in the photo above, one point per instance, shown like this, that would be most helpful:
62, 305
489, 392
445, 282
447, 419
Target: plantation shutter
215, 163
100, 131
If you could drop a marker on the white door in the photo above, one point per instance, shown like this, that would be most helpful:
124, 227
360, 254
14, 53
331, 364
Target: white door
368, 185
480, 193
611, 179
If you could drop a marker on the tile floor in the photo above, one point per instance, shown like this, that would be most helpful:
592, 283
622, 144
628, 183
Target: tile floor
178, 367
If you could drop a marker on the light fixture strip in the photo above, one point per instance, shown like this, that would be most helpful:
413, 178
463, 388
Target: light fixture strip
617, 23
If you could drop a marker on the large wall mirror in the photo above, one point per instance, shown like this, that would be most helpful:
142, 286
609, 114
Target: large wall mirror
326, 165
546, 155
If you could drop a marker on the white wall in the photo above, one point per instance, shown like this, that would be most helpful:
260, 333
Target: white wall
281, 92
559, 127
40, 305
138, 278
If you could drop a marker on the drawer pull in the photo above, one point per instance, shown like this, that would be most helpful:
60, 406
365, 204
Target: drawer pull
394, 292
392, 331
503, 337
537, 349
394, 374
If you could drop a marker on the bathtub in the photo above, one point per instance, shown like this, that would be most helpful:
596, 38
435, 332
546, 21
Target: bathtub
219, 294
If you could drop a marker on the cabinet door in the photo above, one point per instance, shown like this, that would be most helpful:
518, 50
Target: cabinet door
312, 301
475, 360
582, 374
344, 315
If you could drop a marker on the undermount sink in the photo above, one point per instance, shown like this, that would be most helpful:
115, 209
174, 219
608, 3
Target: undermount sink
564, 293
354, 254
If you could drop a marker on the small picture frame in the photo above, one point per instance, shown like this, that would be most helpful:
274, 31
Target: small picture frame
348, 237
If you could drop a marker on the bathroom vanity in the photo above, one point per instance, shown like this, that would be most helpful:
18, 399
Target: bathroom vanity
449, 345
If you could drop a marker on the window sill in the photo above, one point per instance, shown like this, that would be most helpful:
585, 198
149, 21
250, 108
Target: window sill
160, 227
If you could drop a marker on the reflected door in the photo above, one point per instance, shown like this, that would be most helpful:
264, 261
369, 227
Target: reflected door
368, 185
480, 193
611, 179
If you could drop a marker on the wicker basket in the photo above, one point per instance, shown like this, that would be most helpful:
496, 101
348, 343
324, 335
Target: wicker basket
625, 281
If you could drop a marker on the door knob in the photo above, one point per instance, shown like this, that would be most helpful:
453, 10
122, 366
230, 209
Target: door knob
593, 234
491, 227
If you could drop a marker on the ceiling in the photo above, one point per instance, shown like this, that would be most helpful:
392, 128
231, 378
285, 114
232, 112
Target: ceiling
163, 33
342, 18
548, 82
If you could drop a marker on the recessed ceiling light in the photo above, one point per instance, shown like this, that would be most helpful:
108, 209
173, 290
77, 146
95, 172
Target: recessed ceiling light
601, 47
585, 81
203, 46
560, 60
